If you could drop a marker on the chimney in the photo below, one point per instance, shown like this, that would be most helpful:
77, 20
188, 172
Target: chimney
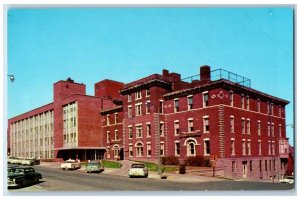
205, 73
165, 72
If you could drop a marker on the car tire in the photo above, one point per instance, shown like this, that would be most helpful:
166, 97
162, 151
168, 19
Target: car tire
73, 168
146, 175
64, 169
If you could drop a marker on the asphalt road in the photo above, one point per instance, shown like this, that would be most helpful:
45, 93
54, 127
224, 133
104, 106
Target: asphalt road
59, 180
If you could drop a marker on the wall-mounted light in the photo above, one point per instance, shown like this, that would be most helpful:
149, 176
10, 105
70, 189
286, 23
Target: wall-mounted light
11, 77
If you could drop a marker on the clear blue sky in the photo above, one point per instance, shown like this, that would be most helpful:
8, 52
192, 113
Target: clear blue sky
125, 44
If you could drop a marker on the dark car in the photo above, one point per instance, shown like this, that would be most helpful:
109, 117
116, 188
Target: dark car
21, 176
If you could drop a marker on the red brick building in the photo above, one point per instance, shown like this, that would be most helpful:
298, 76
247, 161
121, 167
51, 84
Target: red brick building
215, 114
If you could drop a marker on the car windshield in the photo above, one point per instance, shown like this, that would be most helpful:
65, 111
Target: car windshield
137, 166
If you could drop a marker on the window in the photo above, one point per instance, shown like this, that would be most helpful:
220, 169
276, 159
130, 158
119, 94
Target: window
248, 126
161, 106
260, 165
279, 110
269, 129
148, 107
273, 148
107, 120
242, 101
138, 95
116, 135
258, 105
233, 166
271, 109
176, 105
259, 147
129, 111
206, 124
139, 132
130, 132
249, 148
149, 149
266, 165
190, 125
232, 124
269, 147
139, 150
191, 148
244, 147
107, 136
162, 149
279, 130
129, 98
130, 151
247, 103
147, 92
177, 148
268, 108
148, 130
205, 99
231, 98
176, 127
270, 165
206, 147
250, 165
161, 128
232, 147
190, 102
116, 118
272, 130
138, 109
258, 128
243, 126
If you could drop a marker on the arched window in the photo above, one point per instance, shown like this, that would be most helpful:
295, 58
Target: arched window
116, 150
139, 149
190, 147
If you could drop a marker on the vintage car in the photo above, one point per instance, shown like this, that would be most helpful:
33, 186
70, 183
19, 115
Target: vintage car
28, 161
94, 166
15, 160
287, 180
70, 164
21, 176
138, 170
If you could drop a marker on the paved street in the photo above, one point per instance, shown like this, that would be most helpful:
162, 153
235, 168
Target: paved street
55, 179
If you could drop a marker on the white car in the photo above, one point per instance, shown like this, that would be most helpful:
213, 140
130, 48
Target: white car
70, 164
287, 179
138, 170
28, 161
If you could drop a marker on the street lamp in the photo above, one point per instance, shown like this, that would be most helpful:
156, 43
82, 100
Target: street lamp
11, 77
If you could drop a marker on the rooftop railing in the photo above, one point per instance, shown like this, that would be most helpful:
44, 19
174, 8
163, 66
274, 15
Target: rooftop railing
222, 74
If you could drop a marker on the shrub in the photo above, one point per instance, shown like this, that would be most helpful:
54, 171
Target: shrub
198, 161
170, 160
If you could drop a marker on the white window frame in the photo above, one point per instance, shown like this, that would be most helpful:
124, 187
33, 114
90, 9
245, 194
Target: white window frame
242, 101
191, 125
138, 95
129, 114
107, 136
149, 148
107, 120
205, 146
161, 129
243, 126
231, 98
232, 145
139, 131
129, 98
232, 124
148, 92
203, 99
259, 128
189, 149
176, 122
148, 106
176, 108
177, 142
138, 109
190, 106
148, 129
116, 135
247, 103
249, 147
139, 149
206, 118
248, 125
130, 132
259, 147
244, 151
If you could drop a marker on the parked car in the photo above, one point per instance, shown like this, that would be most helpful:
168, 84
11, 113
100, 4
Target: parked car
94, 166
137, 170
287, 179
28, 161
70, 164
21, 176
15, 160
